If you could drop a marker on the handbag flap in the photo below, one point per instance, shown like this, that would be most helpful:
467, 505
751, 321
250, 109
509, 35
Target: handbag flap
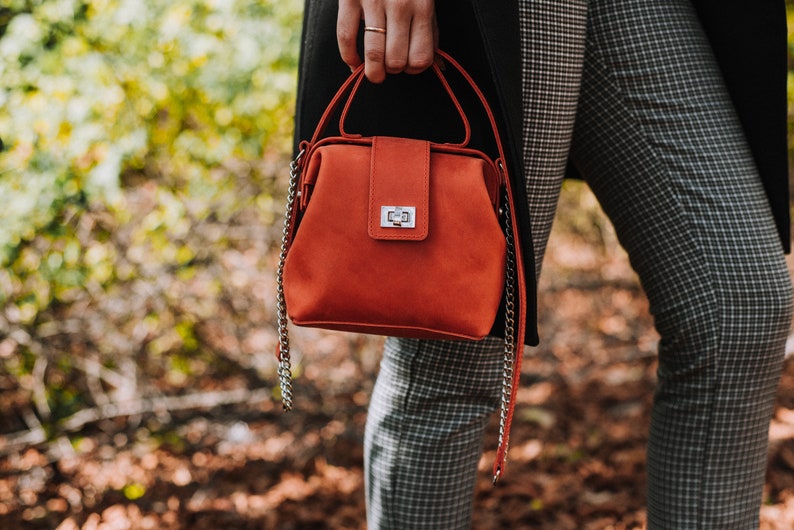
399, 189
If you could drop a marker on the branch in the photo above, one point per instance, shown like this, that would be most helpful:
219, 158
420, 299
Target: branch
200, 400
10, 443
39, 389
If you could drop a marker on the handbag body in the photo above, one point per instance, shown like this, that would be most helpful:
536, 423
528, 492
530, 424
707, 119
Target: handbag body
397, 237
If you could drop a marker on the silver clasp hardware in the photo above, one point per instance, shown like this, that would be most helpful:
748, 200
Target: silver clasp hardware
398, 216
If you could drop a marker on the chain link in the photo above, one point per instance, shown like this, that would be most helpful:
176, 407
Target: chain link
284, 367
510, 324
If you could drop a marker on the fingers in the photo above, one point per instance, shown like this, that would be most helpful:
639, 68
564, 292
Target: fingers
422, 44
407, 44
348, 20
376, 33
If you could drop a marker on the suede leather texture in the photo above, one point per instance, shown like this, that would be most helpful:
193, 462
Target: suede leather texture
446, 283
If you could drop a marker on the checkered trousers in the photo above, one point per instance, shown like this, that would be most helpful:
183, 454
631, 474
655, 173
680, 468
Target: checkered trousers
646, 119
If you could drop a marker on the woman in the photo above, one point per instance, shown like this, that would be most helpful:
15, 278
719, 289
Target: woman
674, 112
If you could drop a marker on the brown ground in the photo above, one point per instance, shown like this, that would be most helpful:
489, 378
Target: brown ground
576, 461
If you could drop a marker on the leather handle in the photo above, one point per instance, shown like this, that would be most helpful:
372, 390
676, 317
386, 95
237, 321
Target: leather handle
481, 97
447, 88
353, 83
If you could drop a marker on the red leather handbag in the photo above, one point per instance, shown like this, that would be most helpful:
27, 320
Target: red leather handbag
402, 237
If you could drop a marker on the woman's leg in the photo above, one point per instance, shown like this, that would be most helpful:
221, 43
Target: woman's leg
424, 431
660, 145
432, 400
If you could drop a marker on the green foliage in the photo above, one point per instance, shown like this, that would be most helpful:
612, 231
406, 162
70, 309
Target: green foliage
140, 134
96, 90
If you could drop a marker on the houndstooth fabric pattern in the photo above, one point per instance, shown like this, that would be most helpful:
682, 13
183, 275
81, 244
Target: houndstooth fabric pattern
657, 139
552, 46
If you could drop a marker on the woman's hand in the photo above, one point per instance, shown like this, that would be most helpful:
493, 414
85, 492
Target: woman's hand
399, 35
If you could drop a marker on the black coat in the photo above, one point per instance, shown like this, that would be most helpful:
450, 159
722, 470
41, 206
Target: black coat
749, 43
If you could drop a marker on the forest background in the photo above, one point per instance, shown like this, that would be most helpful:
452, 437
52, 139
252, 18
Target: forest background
141, 195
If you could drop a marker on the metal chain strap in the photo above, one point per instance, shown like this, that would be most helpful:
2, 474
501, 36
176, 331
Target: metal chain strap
510, 324
284, 368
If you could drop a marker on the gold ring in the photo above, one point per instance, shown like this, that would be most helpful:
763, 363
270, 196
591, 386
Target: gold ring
375, 29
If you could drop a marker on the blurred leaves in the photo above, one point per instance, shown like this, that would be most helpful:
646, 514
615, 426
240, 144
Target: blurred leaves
96, 90
143, 143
